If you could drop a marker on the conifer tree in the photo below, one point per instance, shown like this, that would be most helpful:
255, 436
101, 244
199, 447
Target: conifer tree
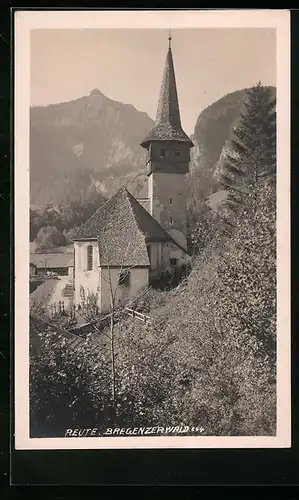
251, 158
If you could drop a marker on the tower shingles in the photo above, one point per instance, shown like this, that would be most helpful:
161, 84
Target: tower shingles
167, 126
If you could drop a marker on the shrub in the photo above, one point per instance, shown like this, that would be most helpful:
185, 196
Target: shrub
49, 237
69, 386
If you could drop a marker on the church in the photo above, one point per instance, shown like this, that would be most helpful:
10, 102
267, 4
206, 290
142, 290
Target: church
128, 243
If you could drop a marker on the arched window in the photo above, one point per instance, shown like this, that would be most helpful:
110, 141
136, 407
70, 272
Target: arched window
89, 258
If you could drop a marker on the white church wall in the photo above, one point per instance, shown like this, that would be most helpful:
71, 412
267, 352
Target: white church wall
165, 249
139, 278
155, 255
167, 193
89, 280
177, 253
71, 272
162, 252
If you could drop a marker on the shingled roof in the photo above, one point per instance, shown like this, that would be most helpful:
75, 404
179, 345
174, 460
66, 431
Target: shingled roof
168, 122
122, 227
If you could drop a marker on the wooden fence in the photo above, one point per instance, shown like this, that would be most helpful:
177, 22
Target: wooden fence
73, 313
138, 315
59, 309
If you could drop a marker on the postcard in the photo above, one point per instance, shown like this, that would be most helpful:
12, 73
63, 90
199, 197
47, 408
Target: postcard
152, 229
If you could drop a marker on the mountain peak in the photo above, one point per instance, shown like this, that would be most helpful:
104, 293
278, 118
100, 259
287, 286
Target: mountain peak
95, 92
90, 140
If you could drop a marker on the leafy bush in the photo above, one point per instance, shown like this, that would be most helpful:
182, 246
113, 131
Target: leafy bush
68, 385
49, 237
151, 300
67, 217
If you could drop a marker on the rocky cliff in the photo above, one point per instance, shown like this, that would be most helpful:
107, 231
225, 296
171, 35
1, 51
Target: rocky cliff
94, 142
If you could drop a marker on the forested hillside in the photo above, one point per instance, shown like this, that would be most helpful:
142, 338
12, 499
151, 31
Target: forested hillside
51, 227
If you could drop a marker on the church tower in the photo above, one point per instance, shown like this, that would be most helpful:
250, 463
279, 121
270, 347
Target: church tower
168, 160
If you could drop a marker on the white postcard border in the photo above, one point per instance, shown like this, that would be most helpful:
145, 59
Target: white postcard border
25, 21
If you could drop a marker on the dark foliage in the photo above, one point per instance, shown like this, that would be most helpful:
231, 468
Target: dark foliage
251, 156
65, 218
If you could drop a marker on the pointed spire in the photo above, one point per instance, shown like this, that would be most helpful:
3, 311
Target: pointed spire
168, 106
168, 122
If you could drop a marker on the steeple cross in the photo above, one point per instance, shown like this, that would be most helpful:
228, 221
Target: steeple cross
169, 39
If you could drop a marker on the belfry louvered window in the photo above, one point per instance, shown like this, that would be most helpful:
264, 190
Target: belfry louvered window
89, 258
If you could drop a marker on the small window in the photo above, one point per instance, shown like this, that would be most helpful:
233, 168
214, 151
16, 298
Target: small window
177, 152
124, 277
170, 201
162, 153
171, 220
89, 258
173, 262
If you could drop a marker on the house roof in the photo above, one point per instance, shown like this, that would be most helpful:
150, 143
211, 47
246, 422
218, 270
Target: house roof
167, 126
50, 260
123, 227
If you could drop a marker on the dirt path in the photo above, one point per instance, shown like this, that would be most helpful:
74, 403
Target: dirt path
43, 292
51, 291
58, 292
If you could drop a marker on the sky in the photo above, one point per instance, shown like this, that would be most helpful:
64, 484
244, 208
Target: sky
127, 65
